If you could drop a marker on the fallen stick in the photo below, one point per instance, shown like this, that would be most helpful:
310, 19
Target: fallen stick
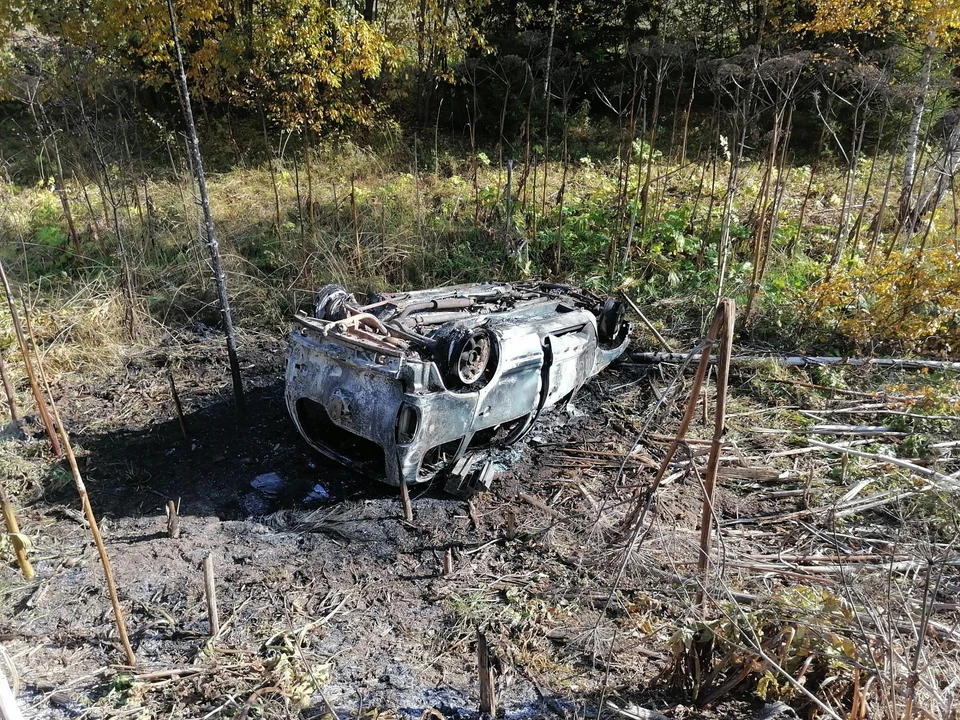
827, 388
876, 558
946, 444
952, 483
848, 496
900, 566
686, 440
660, 339
539, 504
853, 430
878, 501
883, 411
170, 673
806, 360
8, 703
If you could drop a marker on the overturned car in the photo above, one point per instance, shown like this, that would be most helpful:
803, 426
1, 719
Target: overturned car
409, 387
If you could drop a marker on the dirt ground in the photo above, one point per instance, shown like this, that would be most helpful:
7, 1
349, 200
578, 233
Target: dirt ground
328, 601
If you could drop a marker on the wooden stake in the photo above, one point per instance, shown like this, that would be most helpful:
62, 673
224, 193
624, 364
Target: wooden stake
210, 586
510, 531
19, 547
488, 693
405, 501
31, 376
448, 561
726, 313
177, 404
173, 520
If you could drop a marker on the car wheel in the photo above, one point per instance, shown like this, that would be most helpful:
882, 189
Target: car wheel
468, 356
610, 322
330, 303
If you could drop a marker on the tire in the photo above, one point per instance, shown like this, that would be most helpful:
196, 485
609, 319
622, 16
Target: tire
330, 303
467, 358
610, 322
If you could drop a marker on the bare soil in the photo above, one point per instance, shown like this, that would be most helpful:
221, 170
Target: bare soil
329, 601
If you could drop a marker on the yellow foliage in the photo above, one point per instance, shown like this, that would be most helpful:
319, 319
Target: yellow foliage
933, 22
304, 61
907, 302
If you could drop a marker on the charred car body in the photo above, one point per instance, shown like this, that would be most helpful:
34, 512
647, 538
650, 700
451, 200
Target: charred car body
412, 386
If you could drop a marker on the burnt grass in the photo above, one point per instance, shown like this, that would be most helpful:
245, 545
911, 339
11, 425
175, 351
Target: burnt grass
335, 603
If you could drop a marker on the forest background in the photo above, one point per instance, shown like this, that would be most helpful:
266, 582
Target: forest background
799, 156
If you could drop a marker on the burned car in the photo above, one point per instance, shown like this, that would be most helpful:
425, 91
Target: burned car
409, 387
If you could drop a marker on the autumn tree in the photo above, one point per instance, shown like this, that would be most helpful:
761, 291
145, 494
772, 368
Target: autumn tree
927, 25
306, 63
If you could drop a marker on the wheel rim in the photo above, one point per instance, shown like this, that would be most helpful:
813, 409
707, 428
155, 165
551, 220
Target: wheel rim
611, 321
473, 358
331, 306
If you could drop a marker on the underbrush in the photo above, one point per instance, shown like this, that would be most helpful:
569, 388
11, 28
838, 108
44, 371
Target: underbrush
908, 301
377, 222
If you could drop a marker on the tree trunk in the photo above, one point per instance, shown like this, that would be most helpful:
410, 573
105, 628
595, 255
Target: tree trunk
945, 168
60, 184
644, 195
215, 264
271, 157
913, 133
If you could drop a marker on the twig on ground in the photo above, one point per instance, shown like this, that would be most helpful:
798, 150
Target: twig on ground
812, 361
660, 339
950, 483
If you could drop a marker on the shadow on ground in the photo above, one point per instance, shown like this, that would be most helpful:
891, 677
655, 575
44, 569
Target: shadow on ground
131, 472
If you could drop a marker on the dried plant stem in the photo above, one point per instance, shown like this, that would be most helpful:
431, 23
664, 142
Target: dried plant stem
726, 313
31, 375
210, 588
949, 483
9, 709
13, 528
8, 389
643, 318
405, 502
91, 520
488, 695
635, 520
